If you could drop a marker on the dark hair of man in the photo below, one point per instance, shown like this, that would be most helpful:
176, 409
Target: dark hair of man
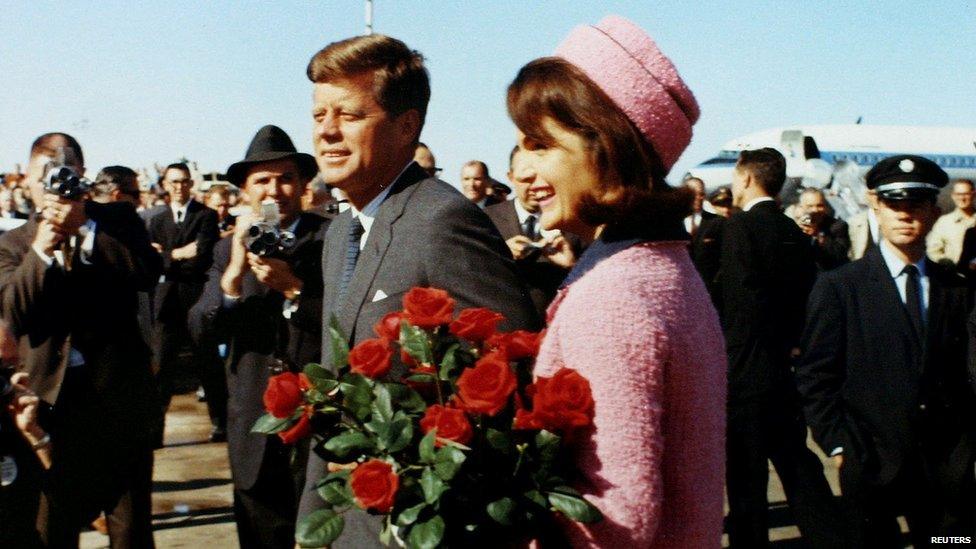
116, 177
511, 157
484, 167
767, 167
400, 81
814, 191
632, 191
42, 145
964, 182
181, 166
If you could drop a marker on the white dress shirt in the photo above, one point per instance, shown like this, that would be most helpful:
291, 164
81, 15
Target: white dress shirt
896, 267
522, 214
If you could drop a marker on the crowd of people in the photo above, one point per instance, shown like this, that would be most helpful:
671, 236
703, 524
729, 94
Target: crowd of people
715, 329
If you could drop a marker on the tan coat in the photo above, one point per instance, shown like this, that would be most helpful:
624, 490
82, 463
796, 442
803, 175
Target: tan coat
945, 240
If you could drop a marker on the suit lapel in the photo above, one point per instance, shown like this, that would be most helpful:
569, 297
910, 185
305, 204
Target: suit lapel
183, 228
511, 221
937, 304
371, 256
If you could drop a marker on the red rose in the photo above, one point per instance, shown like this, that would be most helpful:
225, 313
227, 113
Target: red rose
406, 358
451, 424
563, 401
388, 327
283, 395
428, 307
485, 388
375, 485
371, 358
525, 419
303, 382
298, 431
476, 324
518, 344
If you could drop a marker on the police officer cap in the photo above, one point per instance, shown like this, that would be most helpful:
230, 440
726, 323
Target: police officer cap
906, 177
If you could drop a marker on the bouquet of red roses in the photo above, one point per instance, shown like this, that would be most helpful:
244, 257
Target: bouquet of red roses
465, 448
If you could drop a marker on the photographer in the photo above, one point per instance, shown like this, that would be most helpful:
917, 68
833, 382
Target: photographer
828, 234
264, 300
68, 284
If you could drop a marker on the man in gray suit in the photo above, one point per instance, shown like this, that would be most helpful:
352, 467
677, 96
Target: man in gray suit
404, 228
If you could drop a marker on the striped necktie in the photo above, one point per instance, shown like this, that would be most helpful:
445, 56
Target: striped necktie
352, 255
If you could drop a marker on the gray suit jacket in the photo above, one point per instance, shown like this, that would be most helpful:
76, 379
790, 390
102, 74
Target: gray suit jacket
424, 234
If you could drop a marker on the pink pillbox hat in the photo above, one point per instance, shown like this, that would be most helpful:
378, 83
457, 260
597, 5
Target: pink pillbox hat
626, 64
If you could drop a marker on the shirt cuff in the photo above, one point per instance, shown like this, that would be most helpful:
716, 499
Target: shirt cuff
44, 257
88, 241
229, 301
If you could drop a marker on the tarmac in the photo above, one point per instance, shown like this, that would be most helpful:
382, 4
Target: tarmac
192, 489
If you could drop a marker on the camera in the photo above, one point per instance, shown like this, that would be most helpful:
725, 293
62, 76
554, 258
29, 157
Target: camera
64, 182
265, 239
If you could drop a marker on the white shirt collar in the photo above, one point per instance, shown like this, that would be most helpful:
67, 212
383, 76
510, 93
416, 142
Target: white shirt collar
873, 225
368, 214
176, 209
896, 265
755, 201
521, 212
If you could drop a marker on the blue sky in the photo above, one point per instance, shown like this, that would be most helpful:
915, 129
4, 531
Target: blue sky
139, 83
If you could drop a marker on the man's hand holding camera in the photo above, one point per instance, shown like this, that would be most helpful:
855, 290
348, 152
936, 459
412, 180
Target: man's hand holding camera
274, 273
60, 219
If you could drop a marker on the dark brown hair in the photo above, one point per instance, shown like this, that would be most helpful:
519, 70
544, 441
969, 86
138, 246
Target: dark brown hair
44, 144
400, 81
116, 177
767, 166
632, 192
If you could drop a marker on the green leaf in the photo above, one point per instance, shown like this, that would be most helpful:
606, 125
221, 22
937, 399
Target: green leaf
342, 445
357, 392
319, 528
321, 377
500, 441
414, 341
432, 486
501, 510
574, 507
427, 535
340, 344
342, 474
269, 425
336, 493
449, 362
395, 435
382, 406
536, 497
406, 398
548, 445
448, 462
409, 515
427, 454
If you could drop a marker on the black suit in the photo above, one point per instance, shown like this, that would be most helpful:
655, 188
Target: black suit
540, 275
102, 456
831, 244
425, 234
175, 295
899, 403
706, 250
266, 483
765, 276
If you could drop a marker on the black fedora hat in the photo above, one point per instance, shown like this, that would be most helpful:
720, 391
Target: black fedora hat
269, 144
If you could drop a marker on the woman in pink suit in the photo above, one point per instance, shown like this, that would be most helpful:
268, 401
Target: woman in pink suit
600, 124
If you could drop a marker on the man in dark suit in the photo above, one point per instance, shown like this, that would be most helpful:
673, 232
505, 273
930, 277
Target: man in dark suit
705, 229
544, 258
766, 273
68, 284
404, 228
267, 310
184, 234
828, 235
884, 372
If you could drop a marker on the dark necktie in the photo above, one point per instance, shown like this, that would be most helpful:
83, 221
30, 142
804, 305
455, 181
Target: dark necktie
528, 227
913, 299
352, 255
179, 216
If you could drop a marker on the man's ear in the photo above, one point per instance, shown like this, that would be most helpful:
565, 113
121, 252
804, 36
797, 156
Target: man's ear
408, 126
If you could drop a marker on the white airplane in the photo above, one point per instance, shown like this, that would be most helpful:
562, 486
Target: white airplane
816, 153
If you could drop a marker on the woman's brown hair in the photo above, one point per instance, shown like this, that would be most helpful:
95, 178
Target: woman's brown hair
632, 194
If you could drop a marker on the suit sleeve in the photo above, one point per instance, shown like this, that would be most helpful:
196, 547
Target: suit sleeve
206, 240
820, 370
29, 288
123, 249
467, 257
204, 318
